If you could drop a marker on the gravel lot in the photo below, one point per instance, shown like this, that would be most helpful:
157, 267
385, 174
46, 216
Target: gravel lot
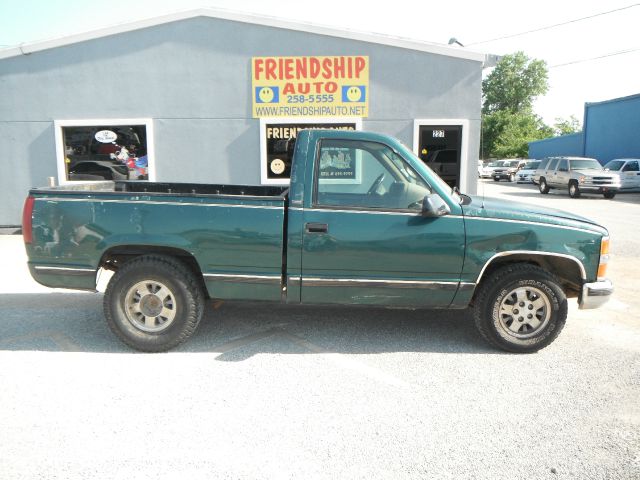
266, 391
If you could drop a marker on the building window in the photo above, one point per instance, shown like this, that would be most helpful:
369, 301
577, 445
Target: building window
277, 139
97, 150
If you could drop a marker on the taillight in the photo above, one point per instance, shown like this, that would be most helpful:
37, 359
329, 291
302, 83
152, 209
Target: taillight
27, 220
604, 258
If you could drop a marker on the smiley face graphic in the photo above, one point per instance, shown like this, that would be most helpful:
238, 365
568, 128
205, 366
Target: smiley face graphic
266, 94
277, 166
353, 93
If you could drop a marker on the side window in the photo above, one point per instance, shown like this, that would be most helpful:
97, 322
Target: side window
543, 164
631, 167
552, 164
563, 166
352, 173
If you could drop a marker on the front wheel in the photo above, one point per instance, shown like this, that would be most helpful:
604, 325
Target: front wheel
520, 308
574, 189
543, 187
153, 303
609, 195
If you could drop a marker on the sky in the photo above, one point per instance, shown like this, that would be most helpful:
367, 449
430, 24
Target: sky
576, 75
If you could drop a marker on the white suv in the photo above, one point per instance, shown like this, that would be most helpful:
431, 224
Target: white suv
577, 175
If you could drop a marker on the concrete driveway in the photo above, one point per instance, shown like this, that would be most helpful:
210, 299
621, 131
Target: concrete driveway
266, 391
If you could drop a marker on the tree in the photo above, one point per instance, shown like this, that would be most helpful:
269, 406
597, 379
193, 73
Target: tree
514, 84
566, 126
507, 134
508, 121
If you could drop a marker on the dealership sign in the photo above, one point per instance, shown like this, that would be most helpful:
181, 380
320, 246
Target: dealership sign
310, 86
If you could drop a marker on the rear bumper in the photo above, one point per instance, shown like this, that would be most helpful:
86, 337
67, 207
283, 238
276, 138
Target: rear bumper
595, 294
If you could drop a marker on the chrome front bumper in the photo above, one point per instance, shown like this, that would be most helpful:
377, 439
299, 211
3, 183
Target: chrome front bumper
595, 294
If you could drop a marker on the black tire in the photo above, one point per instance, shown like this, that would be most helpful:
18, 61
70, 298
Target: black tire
153, 303
496, 179
574, 189
609, 195
514, 287
542, 186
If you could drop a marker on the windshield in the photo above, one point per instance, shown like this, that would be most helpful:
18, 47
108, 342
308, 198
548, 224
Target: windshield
614, 165
531, 166
494, 164
511, 164
586, 164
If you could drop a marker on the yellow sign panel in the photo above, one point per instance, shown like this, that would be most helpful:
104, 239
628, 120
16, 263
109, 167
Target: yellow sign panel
310, 86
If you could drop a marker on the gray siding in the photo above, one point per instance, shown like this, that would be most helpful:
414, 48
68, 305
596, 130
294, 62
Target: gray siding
193, 78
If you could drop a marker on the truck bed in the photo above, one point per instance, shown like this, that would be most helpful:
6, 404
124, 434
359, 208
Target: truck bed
200, 189
173, 189
233, 233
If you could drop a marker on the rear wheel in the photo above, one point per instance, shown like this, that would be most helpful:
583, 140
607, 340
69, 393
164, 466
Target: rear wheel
520, 308
574, 189
542, 186
609, 194
153, 303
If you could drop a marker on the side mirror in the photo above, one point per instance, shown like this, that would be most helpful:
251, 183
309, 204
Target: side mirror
434, 206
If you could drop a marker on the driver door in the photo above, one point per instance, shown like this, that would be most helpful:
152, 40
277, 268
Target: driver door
365, 241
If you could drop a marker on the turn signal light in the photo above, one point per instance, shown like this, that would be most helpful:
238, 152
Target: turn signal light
604, 258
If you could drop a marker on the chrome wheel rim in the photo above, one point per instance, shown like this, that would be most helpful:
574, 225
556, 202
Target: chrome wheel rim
524, 312
572, 189
150, 306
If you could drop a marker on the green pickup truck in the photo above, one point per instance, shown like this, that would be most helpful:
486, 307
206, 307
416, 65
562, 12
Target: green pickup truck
363, 222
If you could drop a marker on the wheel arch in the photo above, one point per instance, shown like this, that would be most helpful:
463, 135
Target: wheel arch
115, 257
568, 269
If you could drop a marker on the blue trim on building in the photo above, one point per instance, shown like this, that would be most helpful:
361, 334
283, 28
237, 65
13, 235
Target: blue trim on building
570, 145
611, 129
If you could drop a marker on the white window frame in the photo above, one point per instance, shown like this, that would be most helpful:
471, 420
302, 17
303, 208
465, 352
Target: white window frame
265, 180
464, 142
98, 122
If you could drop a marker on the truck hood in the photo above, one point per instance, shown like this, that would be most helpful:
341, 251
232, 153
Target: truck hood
525, 212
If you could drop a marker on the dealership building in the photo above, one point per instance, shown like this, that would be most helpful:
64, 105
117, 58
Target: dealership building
212, 96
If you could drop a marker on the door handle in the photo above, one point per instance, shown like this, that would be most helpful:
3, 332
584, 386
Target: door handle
316, 227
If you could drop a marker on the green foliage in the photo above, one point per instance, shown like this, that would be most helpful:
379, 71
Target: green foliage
508, 121
566, 126
514, 84
506, 134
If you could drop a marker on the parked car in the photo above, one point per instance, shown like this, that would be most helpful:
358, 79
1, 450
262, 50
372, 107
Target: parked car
525, 175
399, 238
577, 175
487, 170
100, 170
508, 170
629, 171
